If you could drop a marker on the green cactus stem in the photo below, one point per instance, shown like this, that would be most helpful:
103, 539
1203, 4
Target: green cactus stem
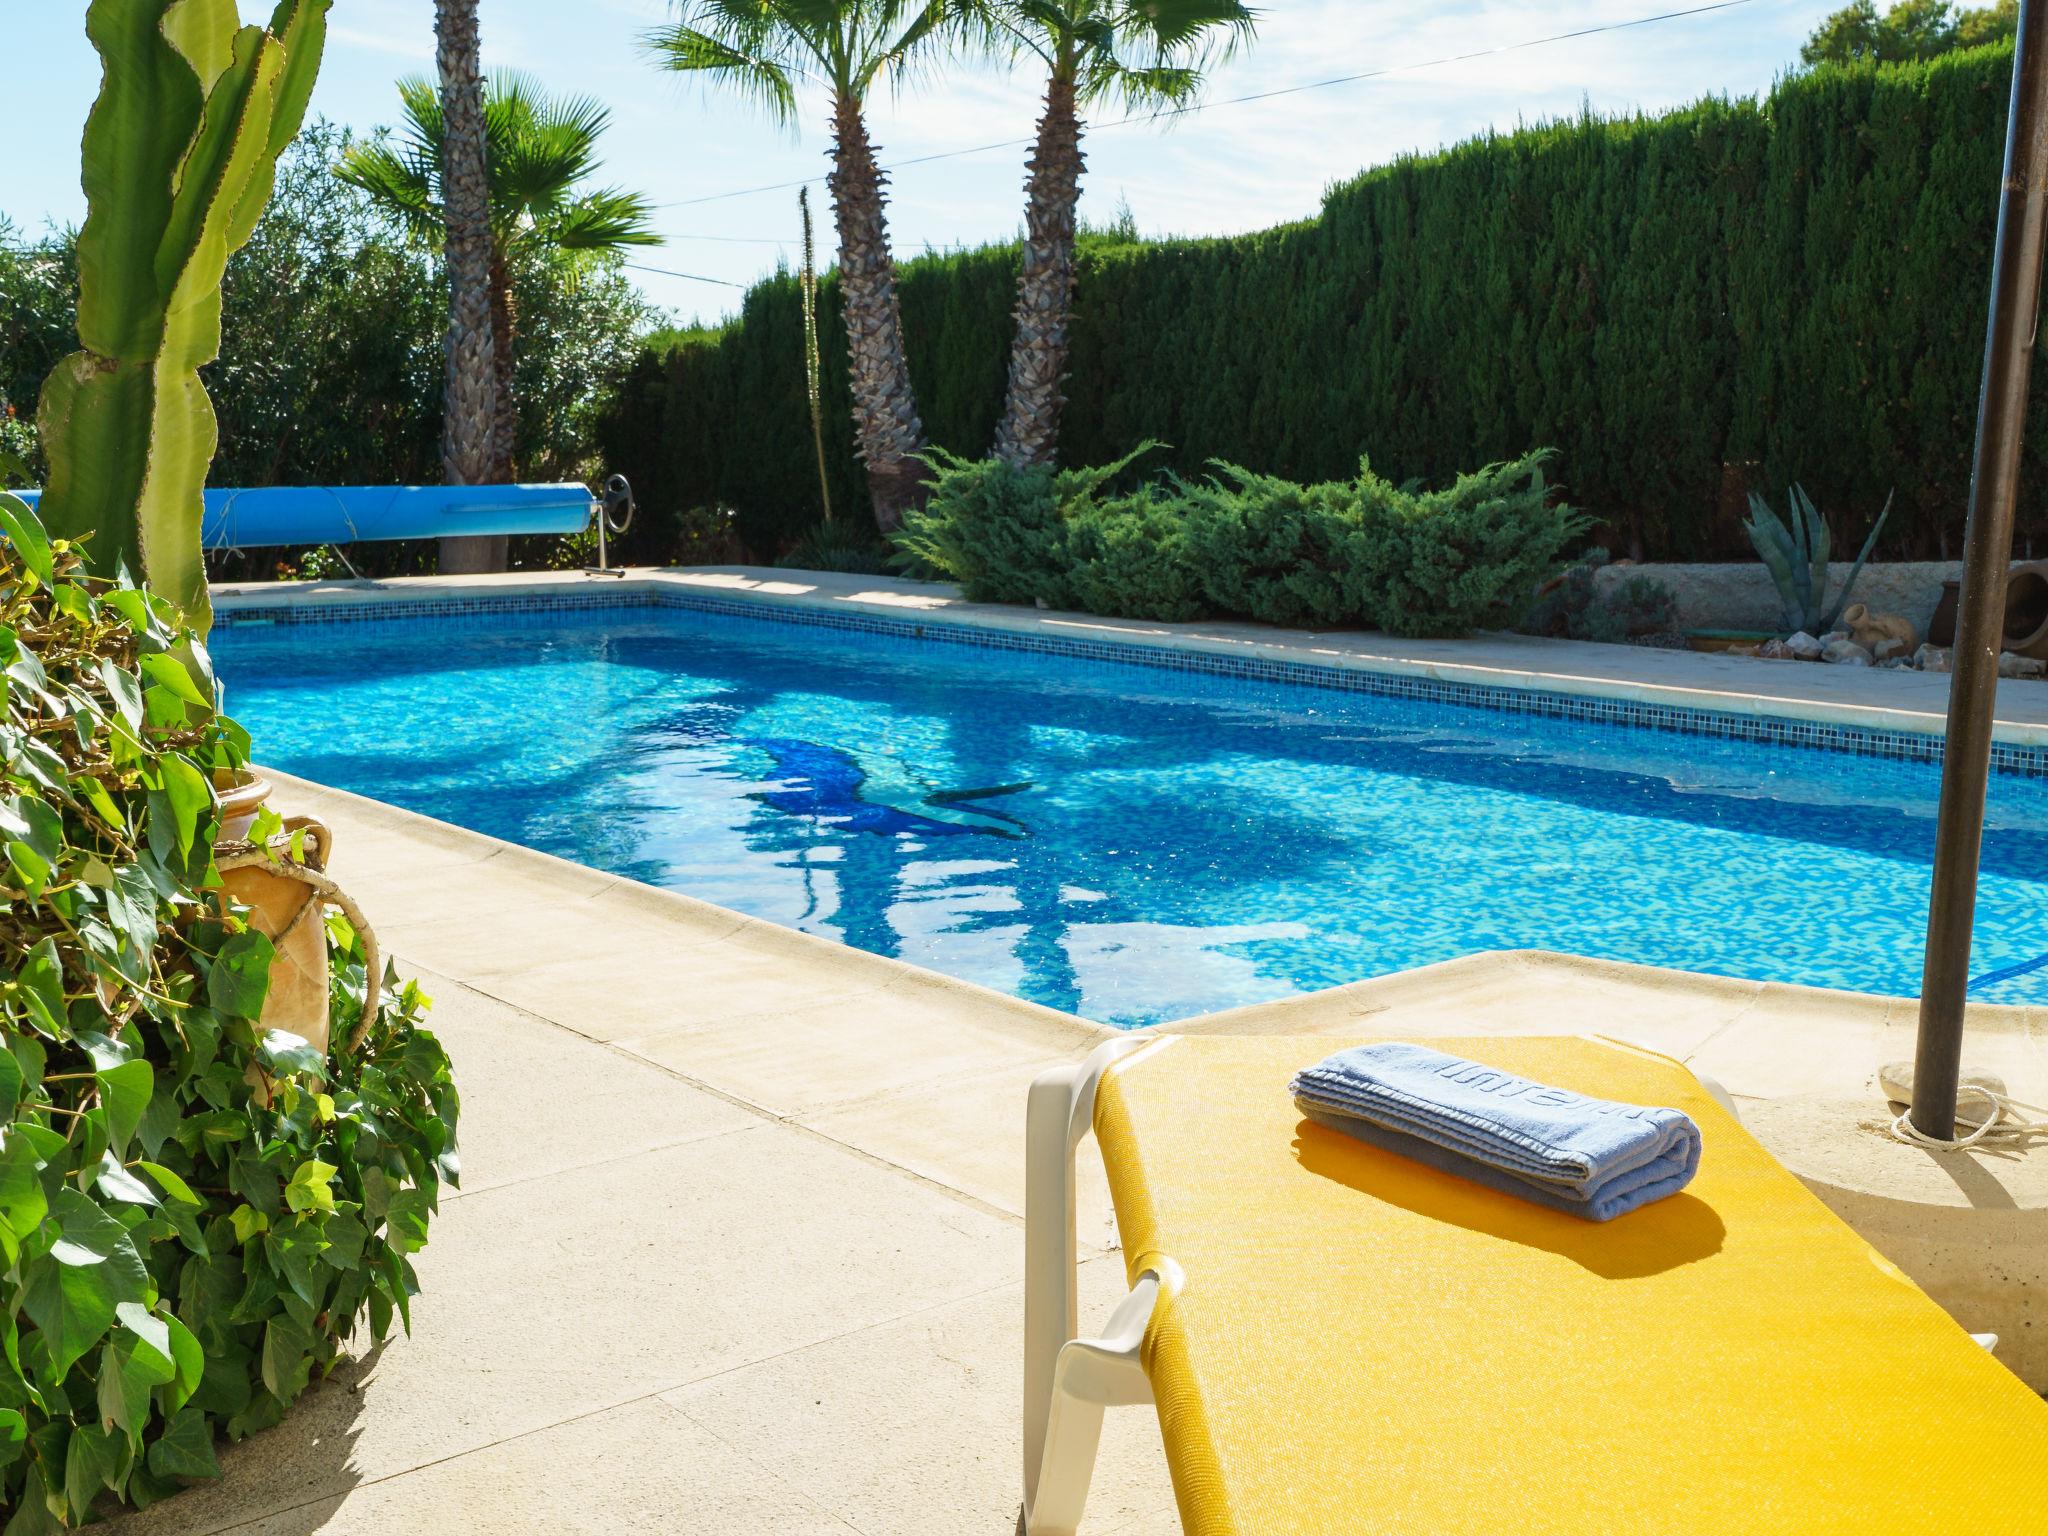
179, 158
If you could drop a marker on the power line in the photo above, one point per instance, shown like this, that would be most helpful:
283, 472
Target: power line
1234, 101
692, 276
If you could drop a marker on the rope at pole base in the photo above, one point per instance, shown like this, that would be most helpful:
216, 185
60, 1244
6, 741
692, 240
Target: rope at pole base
1995, 1127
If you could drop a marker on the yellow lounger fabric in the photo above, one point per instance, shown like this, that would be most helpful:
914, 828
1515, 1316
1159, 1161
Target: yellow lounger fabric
1362, 1344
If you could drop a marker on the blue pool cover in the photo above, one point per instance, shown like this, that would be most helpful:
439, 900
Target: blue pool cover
348, 514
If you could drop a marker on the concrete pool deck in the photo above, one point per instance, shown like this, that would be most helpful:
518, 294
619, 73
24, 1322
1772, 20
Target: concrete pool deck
1861, 698
739, 1245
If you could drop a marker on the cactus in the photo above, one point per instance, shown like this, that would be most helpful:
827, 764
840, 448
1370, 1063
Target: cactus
179, 158
1797, 558
807, 279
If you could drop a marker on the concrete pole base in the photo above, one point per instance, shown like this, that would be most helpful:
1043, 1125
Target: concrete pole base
478, 555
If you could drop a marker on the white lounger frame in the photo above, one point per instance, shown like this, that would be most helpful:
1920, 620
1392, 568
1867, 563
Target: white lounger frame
1069, 1380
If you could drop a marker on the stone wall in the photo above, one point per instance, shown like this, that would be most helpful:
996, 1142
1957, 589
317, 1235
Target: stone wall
1741, 596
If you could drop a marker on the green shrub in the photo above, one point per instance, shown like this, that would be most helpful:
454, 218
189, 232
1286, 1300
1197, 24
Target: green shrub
1247, 546
179, 1254
1129, 555
1468, 557
1274, 550
1577, 606
999, 531
854, 548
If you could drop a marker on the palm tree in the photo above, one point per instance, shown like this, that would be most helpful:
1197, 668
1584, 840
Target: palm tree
767, 48
467, 418
538, 152
1142, 53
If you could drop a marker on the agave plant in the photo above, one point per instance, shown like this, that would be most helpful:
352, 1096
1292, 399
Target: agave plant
1797, 558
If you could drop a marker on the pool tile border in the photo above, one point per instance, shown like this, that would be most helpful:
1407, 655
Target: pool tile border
1861, 741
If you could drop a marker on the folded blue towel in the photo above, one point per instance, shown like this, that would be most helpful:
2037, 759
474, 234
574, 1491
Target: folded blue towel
1590, 1157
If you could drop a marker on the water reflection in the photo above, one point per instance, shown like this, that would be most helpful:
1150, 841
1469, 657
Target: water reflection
1125, 843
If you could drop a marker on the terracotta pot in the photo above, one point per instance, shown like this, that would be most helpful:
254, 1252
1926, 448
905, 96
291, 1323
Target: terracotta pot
2026, 611
288, 913
1941, 629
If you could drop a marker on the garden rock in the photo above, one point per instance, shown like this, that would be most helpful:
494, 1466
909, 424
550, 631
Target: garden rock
1932, 658
1777, 650
1889, 650
1804, 646
1874, 630
2011, 665
1845, 652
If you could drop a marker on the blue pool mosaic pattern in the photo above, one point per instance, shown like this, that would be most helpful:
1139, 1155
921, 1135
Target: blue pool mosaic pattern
1134, 843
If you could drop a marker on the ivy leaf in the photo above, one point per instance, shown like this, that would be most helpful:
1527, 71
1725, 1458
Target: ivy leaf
13, 1436
136, 1361
35, 1516
23, 1204
159, 1120
41, 982
187, 794
123, 689
248, 1221
346, 1235
287, 1357
185, 1448
94, 1460
10, 1085
295, 1252
310, 1187
282, 1052
188, 1363
95, 1268
405, 1219
125, 1091
170, 674
172, 1186
106, 1052
36, 848
25, 532
239, 978
117, 1183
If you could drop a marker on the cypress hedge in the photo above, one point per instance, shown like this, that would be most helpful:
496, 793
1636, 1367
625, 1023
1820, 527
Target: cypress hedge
1738, 294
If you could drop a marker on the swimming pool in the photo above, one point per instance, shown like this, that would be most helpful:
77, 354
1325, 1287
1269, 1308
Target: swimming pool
1124, 842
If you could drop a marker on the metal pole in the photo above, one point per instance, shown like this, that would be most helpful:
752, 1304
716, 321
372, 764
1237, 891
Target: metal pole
1987, 553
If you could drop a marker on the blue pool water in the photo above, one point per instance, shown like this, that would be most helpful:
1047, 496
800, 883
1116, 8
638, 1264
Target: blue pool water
1123, 842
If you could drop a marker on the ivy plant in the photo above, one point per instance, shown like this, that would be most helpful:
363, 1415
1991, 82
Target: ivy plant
194, 1211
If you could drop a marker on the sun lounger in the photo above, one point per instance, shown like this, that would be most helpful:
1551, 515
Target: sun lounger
1340, 1340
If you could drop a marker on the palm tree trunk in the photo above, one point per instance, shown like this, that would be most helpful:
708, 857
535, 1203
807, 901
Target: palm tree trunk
505, 402
1029, 431
885, 419
465, 200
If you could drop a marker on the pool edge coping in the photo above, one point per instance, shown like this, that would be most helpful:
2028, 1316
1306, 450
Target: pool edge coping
894, 603
1035, 1023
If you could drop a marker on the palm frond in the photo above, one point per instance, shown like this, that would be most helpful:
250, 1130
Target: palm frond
908, 36
753, 74
1143, 53
604, 220
402, 185
1162, 86
539, 149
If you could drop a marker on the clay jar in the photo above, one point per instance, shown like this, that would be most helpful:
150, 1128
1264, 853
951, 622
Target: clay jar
285, 911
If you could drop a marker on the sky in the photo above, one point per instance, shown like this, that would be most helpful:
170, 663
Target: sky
1227, 169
